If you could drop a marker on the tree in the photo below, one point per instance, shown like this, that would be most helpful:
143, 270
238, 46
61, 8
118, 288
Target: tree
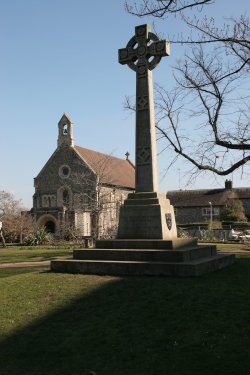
98, 194
205, 117
1, 235
234, 211
17, 222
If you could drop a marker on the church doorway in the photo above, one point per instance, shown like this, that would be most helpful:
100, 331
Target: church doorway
50, 226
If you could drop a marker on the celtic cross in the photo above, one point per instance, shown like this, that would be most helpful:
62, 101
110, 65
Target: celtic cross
142, 54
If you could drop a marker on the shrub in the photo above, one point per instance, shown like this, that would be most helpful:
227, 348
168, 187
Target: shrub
39, 237
207, 235
182, 233
234, 211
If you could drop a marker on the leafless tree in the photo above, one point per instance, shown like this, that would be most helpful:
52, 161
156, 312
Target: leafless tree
205, 117
97, 194
1, 234
17, 222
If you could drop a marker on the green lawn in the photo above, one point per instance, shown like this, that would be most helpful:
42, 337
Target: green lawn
71, 324
232, 246
35, 254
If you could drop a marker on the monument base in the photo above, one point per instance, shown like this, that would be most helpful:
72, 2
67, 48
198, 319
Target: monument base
147, 216
181, 257
147, 244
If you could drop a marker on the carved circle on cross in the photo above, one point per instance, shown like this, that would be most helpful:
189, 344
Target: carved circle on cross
141, 61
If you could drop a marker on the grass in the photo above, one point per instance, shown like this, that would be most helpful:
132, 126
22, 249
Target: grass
41, 253
35, 254
230, 246
72, 324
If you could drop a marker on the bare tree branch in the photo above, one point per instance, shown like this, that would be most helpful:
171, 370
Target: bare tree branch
161, 8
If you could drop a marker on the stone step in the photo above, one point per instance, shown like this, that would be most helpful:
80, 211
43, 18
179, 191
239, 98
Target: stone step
143, 268
183, 255
146, 244
141, 202
146, 195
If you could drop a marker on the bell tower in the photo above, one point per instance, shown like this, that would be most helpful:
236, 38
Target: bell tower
65, 132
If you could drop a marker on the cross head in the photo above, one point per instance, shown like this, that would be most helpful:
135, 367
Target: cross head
127, 155
144, 50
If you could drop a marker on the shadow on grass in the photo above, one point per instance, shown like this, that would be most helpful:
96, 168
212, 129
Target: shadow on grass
142, 326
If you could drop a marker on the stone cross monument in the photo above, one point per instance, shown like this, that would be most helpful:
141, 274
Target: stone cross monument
147, 242
147, 213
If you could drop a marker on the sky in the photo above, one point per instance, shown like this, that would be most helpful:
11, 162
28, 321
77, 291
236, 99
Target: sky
61, 56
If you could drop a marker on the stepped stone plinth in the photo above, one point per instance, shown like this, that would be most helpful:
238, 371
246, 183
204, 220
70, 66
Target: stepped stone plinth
187, 261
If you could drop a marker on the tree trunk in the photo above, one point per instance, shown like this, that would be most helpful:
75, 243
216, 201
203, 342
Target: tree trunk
2, 238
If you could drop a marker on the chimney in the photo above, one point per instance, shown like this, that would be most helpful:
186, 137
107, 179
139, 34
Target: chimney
228, 184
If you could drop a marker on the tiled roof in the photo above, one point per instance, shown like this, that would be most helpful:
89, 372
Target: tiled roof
194, 198
111, 170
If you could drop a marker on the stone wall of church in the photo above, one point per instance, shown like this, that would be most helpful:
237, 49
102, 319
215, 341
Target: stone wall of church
63, 181
61, 189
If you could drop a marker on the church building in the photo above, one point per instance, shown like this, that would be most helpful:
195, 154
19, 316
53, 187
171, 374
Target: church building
80, 190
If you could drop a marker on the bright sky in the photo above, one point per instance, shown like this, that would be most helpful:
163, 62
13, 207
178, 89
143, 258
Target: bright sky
61, 56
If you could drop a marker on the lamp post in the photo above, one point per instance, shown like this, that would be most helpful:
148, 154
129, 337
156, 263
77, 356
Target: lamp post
211, 214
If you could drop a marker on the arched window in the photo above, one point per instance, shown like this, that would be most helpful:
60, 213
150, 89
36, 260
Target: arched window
65, 196
65, 129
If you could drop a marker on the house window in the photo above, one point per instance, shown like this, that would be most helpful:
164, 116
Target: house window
206, 211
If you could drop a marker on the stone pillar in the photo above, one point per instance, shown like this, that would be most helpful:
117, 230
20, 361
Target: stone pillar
145, 152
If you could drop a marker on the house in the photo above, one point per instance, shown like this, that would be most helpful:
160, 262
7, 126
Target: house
80, 189
197, 206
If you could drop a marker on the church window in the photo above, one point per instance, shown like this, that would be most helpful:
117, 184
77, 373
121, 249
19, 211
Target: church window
65, 129
65, 196
85, 199
45, 202
118, 205
64, 171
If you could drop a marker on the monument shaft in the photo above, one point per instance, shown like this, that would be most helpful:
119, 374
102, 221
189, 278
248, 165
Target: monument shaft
145, 149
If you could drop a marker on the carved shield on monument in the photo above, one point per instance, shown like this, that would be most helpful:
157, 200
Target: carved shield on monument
168, 220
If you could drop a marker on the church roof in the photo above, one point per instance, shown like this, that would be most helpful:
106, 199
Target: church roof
111, 170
